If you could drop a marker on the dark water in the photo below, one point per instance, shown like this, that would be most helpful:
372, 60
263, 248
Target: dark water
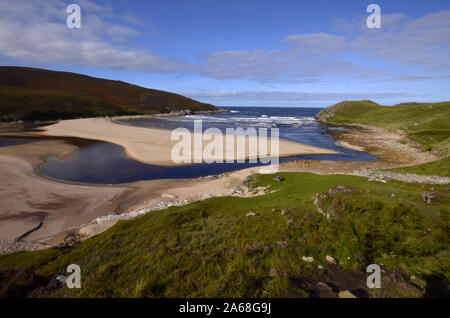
106, 163
6, 142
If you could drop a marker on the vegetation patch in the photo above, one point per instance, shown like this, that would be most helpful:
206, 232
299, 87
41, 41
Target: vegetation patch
426, 123
216, 248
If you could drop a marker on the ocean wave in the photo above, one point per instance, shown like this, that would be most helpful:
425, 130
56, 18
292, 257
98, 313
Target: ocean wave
277, 120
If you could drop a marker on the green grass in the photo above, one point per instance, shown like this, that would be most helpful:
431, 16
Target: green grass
426, 123
436, 168
204, 249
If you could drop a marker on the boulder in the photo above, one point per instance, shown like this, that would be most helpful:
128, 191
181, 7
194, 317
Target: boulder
278, 178
429, 197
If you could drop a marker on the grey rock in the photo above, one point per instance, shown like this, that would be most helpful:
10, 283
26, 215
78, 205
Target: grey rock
278, 178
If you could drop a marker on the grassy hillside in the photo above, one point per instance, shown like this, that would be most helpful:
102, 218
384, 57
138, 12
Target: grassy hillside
213, 249
32, 94
426, 123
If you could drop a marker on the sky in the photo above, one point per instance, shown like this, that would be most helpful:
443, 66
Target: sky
285, 53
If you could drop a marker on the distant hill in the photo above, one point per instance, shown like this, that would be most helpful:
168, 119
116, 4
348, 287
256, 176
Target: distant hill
38, 94
426, 123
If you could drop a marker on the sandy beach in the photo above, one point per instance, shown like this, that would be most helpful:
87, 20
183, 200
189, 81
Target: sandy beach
151, 145
37, 212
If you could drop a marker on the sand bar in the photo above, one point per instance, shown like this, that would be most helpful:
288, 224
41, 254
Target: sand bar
150, 145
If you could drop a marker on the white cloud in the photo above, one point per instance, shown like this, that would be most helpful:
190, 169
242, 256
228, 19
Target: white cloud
422, 42
36, 31
301, 60
238, 95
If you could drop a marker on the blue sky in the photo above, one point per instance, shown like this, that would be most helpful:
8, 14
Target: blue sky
255, 53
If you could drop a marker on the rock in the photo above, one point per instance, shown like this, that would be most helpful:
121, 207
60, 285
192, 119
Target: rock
282, 244
331, 260
345, 294
273, 272
320, 266
273, 210
251, 214
239, 190
393, 195
246, 179
278, 178
308, 259
168, 196
283, 212
61, 279
429, 197
290, 221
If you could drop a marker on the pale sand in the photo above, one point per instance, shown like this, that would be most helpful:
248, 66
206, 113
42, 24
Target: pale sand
151, 145
28, 199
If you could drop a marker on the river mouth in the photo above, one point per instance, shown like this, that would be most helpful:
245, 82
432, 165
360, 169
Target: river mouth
107, 163
98, 162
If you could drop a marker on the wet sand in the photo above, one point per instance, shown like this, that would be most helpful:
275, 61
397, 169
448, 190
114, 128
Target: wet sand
42, 208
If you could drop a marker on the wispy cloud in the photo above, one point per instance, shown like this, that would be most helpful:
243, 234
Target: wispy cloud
34, 31
236, 95
423, 42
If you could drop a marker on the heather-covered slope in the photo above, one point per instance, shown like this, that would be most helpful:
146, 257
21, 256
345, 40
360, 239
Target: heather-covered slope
37, 94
